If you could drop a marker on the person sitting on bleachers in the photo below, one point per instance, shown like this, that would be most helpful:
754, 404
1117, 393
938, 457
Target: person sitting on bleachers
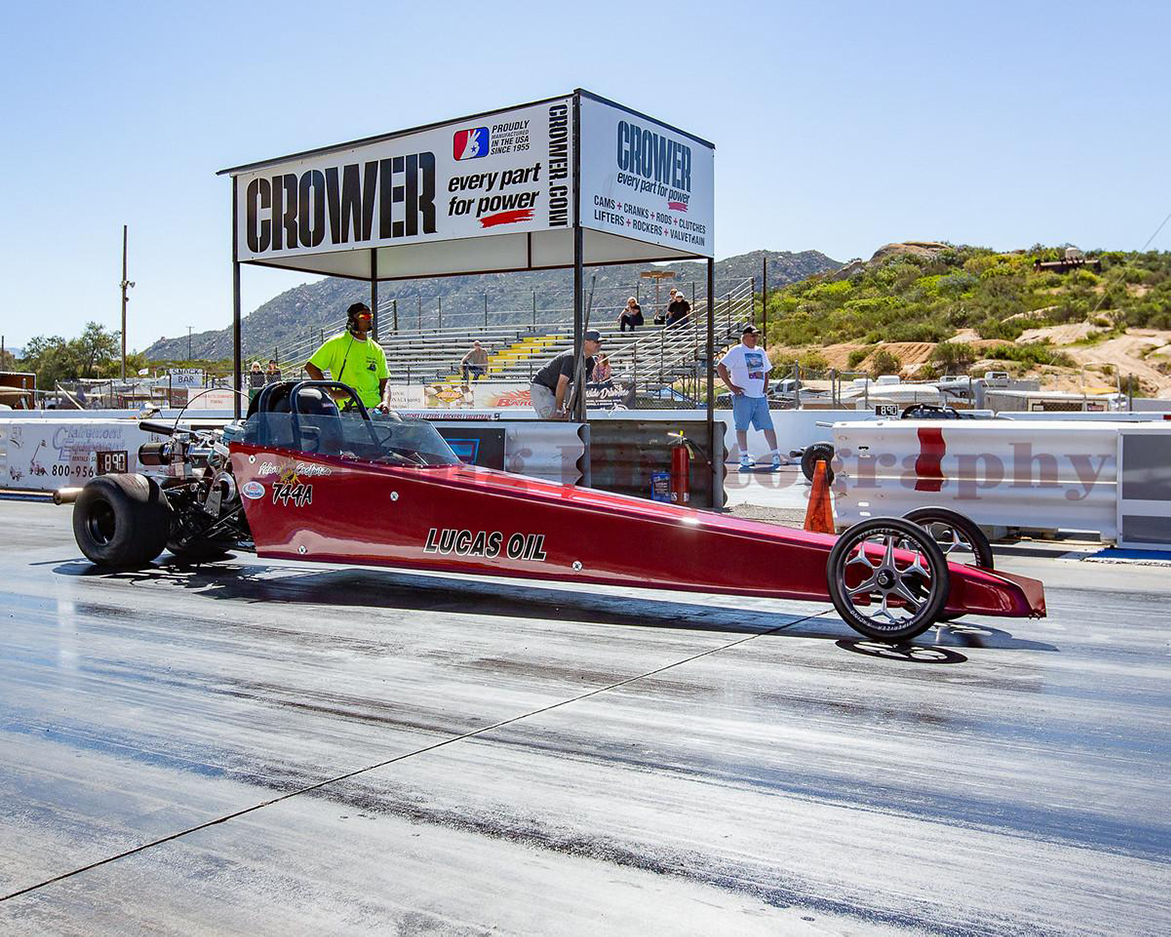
679, 310
475, 362
631, 315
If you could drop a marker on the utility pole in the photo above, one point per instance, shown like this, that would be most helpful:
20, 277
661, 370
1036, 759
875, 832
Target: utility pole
125, 283
189, 342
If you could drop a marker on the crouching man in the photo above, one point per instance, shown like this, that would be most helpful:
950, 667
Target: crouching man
549, 390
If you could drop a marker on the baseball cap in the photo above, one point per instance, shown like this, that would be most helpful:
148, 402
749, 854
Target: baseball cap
750, 328
593, 335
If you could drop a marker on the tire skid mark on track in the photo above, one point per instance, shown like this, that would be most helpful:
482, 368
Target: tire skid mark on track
389, 761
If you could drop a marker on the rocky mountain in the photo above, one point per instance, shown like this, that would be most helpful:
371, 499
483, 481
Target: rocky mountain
291, 319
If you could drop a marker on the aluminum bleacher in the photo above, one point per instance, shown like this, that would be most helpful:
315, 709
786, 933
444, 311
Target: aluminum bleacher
653, 356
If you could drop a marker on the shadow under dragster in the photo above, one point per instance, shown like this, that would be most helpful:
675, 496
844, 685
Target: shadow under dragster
309, 475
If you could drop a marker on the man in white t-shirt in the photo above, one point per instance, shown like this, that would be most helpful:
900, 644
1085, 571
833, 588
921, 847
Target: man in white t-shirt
745, 369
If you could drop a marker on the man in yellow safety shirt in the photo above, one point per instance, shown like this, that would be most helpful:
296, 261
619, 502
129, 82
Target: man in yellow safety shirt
354, 358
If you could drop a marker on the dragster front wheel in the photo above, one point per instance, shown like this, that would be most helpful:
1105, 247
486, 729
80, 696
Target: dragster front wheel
888, 579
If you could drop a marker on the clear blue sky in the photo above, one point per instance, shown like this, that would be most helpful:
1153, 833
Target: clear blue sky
838, 127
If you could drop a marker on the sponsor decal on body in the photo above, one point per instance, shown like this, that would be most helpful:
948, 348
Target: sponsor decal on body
292, 472
252, 490
488, 543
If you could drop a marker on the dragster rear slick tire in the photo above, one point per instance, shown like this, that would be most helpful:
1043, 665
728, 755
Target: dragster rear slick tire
919, 592
121, 521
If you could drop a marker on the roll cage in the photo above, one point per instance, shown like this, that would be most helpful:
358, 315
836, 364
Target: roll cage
328, 418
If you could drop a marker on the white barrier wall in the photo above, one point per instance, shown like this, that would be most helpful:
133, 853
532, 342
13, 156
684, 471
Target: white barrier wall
47, 454
52, 453
1036, 475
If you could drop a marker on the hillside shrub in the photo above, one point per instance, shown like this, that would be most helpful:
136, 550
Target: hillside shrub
954, 356
1032, 355
884, 362
857, 356
998, 328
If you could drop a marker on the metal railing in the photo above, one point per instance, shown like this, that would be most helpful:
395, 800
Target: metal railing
662, 355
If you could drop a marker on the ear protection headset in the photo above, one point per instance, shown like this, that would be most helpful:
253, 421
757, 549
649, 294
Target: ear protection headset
352, 314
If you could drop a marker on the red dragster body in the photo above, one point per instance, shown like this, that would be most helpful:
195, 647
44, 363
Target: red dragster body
476, 520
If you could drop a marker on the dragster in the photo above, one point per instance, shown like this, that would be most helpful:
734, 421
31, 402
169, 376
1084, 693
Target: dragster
309, 475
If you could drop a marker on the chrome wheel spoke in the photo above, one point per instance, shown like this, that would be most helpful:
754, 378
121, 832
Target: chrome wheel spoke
867, 586
913, 602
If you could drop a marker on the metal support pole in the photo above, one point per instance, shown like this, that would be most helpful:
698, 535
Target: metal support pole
579, 407
440, 312
395, 307
374, 293
764, 305
124, 285
717, 500
420, 298
237, 364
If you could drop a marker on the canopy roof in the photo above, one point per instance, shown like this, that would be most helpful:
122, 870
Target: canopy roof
499, 191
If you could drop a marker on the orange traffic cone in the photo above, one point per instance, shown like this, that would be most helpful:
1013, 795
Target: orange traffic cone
819, 516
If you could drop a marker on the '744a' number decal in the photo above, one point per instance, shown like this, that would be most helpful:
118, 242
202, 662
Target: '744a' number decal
297, 495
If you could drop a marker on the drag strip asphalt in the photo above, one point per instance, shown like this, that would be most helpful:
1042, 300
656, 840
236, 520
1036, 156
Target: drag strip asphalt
275, 747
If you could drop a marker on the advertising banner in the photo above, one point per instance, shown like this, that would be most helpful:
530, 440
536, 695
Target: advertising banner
644, 180
406, 396
219, 399
610, 395
504, 173
51, 454
448, 395
491, 396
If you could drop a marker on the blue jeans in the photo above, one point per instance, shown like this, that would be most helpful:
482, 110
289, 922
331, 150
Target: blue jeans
751, 411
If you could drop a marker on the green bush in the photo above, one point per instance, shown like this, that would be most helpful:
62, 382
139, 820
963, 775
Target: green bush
857, 356
1032, 354
997, 328
884, 362
813, 361
954, 356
